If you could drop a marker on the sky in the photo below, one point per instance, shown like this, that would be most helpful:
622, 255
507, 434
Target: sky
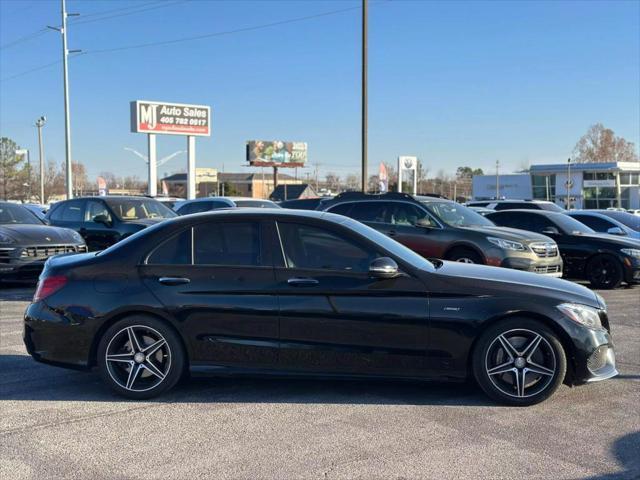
454, 83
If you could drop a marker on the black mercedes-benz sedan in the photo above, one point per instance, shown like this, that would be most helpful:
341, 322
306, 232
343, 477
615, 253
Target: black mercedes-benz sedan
26, 242
285, 292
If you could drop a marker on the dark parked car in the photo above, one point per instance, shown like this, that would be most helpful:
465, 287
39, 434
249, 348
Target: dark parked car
604, 260
305, 203
26, 243
438, 228
499, 205
604, 224
629, 219
103, 221
283, 292
205, 204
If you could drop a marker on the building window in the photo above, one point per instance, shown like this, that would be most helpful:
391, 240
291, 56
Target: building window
543, 187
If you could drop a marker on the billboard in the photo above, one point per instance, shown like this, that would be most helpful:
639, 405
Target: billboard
170, 118
276, 153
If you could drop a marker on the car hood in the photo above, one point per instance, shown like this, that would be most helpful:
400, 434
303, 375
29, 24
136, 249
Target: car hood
39, 234
512, 234
485, 280
614, 240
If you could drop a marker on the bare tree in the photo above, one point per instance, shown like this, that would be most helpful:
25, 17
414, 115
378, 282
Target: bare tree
601, 145
332, 181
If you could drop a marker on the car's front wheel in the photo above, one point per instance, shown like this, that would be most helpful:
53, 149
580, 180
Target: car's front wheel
140, 357
519, 362
604, 272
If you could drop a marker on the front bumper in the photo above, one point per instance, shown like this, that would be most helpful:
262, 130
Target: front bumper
24, 264
551, 267
631, 269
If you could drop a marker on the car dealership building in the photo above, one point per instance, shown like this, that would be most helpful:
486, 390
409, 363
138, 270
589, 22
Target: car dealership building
591, 185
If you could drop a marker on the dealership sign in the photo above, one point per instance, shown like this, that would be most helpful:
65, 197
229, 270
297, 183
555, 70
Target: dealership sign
276, 153
170, 118
599, 183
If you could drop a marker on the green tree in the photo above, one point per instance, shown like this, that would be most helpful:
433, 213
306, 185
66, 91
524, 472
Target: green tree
14, 171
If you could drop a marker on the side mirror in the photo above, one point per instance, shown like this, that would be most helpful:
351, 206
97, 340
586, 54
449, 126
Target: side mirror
616, 231
102, 219
551, 231
383, 267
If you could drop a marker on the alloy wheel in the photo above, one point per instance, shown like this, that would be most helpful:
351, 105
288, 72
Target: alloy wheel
520, 363
464, 260
603, 271
138, 358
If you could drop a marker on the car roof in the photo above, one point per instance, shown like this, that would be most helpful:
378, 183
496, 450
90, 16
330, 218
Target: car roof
525, 210
265, 213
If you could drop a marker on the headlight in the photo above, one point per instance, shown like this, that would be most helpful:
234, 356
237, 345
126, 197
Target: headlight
506, 244
6, 239
632, 252
581, 314
76, 237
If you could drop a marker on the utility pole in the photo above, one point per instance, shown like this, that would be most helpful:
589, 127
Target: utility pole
364, 96
569, 183
67, 117
497, 179
40, 123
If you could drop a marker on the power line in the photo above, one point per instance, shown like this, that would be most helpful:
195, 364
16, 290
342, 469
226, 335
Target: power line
187, 39
25, 38
221, 33
83, 20
121, 9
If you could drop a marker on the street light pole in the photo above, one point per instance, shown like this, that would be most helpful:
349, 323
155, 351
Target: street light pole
40, 123
497, 179
364, 96
67, 119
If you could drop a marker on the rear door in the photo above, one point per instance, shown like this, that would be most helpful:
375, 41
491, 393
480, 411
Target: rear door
336, 318
217, 280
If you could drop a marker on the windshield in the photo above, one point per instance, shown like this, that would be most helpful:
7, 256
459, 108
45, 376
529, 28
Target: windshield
16, 214
255, 203
397, 249
457, 215
570, 225
139, 209
631, 221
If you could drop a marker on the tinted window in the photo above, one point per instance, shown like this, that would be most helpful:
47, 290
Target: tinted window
231, 244
174, 251
598, 224
315, 248
342, 209
524, 221
95, 208
194, 207
368, 211
72, 211
631, 221
404, 214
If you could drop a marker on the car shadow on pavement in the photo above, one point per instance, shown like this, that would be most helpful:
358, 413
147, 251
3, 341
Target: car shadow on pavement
23, 379
626, 451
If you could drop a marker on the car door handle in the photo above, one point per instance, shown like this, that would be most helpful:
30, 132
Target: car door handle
392, 233
302, 282
173, 280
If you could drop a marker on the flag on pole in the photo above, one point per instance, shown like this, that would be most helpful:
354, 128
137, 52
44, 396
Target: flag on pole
165, 188
383, 178
102, 186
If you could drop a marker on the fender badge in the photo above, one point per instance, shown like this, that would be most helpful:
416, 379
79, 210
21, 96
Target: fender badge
452, 309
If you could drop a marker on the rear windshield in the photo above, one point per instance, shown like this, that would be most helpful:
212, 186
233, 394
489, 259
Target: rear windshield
16, 214
139, 209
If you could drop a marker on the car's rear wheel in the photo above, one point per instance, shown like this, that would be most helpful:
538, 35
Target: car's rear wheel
140, 357
519, 362
604, 272
464, 255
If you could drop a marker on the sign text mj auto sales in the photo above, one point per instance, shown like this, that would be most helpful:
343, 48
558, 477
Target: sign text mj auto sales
170, 118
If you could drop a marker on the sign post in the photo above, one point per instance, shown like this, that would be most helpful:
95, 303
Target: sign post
171, 119
411, 164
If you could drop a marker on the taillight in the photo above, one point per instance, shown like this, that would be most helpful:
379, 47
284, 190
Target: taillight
48, 286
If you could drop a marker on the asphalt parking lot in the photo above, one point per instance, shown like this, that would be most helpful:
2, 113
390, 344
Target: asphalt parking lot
57, 423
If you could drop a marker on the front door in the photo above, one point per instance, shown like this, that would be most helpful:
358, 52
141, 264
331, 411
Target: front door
217, 280
336, 318
98, 235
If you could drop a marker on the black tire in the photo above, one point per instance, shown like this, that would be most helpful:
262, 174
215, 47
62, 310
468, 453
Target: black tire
546, 367
604, 272
160, 369
465, 255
